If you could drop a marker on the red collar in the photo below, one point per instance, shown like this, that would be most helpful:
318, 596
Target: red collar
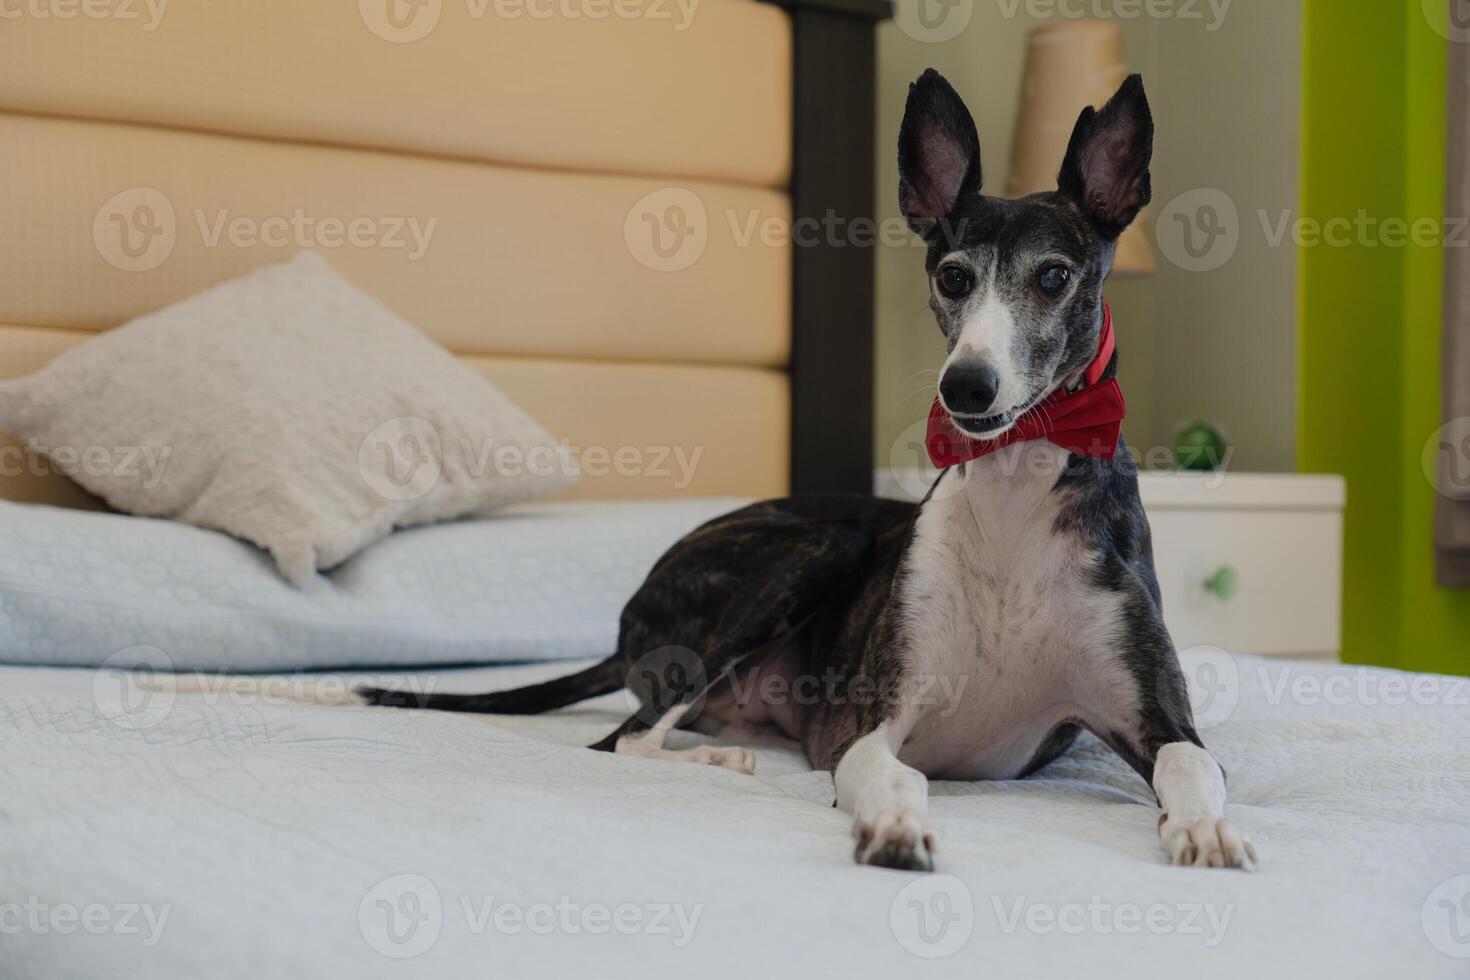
1086, 420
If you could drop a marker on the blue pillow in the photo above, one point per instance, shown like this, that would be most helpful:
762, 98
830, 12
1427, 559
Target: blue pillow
534, 582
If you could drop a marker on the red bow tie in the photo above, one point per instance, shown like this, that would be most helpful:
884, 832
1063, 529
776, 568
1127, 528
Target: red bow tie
1088, 420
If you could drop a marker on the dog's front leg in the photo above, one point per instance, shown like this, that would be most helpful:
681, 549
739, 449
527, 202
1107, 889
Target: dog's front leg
1160, 742
1153, 730
888, 800
1191, 790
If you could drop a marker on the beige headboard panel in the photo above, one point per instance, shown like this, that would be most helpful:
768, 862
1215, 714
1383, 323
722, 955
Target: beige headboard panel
492, 180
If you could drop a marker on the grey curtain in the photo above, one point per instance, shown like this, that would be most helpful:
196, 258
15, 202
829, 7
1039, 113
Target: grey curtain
1452, 514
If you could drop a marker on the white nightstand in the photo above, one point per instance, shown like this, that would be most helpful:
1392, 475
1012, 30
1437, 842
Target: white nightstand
1251, 562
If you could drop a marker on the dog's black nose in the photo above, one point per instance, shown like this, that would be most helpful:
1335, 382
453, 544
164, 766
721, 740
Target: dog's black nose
969, 389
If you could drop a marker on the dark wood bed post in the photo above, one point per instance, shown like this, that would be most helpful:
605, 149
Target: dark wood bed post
832, 280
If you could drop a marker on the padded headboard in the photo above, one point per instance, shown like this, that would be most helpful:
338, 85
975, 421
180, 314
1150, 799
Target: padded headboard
573, 204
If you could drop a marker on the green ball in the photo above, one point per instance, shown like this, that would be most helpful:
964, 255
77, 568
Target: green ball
1225, 583
1199, 446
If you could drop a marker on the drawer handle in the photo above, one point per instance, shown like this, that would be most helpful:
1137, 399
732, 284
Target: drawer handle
1224, 584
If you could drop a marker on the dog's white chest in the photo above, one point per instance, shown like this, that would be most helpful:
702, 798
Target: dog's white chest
1003, 621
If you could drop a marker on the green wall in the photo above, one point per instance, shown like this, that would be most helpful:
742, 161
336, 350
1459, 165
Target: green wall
1369, 320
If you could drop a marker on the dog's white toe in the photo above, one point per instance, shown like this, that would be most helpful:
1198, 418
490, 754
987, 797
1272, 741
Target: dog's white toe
1211, 842
731, 757
895, 839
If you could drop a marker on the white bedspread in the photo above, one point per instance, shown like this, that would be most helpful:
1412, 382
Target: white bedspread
247, 836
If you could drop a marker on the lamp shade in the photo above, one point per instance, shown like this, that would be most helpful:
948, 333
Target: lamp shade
1070, 65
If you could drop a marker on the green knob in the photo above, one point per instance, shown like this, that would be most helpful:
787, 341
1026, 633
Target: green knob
1225, 583
1199, 446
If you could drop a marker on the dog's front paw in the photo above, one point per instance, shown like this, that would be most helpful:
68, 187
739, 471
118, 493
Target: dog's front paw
740, 760
1211, 842
896, 839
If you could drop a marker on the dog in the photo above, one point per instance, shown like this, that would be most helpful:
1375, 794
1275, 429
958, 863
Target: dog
1023, 583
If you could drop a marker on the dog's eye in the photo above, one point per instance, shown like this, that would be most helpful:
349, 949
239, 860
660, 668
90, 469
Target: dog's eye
1054, 279
953, 281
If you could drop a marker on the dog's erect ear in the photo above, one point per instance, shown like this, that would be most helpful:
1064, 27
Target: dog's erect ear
938, 153
1106, 167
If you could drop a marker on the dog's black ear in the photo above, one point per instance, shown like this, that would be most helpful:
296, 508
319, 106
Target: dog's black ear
938, 153
1106, 167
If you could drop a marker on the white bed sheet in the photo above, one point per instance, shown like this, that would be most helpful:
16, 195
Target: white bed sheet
267, 828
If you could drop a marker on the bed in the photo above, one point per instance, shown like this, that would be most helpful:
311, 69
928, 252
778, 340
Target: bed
266, 828
273, 837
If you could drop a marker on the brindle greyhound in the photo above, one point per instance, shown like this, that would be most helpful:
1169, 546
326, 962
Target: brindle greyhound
1024, 581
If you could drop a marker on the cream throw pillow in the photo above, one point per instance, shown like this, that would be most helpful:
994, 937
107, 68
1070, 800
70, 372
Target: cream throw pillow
287, 408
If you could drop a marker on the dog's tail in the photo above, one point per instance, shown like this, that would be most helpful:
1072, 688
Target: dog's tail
533, 700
